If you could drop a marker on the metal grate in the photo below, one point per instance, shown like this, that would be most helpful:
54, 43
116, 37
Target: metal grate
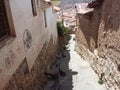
4, 26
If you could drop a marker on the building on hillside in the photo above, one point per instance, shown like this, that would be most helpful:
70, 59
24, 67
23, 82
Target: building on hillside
28, 42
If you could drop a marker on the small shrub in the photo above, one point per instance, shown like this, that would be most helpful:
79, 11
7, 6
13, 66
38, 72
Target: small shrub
62, 31
100, 82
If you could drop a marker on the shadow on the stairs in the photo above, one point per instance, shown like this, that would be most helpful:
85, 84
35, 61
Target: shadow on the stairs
59, 74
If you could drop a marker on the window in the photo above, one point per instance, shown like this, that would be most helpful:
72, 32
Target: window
34, 8
6, 28
45, 18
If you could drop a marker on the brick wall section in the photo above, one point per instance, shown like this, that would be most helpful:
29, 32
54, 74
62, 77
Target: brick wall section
106, 21
23, 79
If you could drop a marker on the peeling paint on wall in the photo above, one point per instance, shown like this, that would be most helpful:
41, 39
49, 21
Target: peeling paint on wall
27, 39
9, 59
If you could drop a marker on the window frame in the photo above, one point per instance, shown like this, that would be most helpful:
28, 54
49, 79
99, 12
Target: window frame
11, 29
34, 7
10, 19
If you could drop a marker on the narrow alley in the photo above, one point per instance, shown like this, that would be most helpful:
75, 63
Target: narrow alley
78, 73
59, 45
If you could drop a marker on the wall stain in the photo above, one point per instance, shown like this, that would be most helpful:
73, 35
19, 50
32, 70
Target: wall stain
9, 59
27, 39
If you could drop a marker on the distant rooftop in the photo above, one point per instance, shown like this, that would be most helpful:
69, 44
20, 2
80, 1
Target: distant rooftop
69, 2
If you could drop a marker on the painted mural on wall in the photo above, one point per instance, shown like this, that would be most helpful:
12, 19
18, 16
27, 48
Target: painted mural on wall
27, 39
9, 59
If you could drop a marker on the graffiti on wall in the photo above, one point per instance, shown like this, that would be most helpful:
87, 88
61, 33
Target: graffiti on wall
27, 39
9, 59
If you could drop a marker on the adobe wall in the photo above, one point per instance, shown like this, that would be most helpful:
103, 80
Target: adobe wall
105, 59
88, 25
31, 34
109, 40
35, 79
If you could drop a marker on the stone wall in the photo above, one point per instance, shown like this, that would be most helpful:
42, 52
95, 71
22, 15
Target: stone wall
23, 79
105, 57
101, 66
109, 40
88, 25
